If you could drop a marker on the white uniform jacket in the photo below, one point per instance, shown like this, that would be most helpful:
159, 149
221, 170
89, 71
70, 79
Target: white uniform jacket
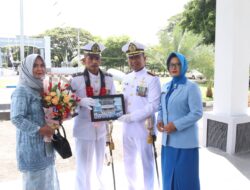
83, 127
142, 92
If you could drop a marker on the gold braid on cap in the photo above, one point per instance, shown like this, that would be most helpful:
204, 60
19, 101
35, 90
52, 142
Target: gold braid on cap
132, 50
95, 49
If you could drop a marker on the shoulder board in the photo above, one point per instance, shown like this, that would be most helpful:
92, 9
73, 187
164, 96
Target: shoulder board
151, 74
77, 74
107, 74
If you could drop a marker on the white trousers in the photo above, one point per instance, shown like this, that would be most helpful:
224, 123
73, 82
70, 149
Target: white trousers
132, 148
85, 150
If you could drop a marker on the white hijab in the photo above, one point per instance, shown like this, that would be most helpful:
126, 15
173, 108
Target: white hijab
26, 73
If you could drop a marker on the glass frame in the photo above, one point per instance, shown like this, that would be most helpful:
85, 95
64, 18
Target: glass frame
109, 107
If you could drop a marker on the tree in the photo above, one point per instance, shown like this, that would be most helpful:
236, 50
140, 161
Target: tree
173, 21
204, 60
112, 56
199, 17
199, 55
169, 39
156, 59
64, 43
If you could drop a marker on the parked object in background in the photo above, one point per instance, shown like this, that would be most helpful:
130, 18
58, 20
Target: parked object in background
194, 74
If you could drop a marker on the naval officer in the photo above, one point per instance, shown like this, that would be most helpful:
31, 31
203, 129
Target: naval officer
141, 91
90, 137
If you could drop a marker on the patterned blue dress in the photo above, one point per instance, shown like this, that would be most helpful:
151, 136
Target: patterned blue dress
45, 179
27, 115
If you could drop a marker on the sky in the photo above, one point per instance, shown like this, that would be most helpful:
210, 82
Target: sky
139, 19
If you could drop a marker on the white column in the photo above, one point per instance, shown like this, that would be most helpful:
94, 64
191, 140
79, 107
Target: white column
47, 51
1, 63
232, 59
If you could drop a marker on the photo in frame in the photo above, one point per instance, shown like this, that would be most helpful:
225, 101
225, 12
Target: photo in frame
109, 107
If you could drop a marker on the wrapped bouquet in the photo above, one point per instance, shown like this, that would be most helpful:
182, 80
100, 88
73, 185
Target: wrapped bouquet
59, 101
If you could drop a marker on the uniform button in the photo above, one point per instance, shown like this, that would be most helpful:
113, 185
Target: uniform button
131, 94
96, 81
129, 103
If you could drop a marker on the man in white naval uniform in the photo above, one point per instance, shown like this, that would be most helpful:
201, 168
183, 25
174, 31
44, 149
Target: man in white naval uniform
90, 137
142, 92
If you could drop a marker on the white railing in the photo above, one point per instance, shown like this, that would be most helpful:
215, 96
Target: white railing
65, 70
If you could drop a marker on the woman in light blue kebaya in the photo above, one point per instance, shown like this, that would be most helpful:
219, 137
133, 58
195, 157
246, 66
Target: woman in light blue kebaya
180, 109
36, 164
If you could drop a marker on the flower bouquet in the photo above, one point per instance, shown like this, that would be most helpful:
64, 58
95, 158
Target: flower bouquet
59, 101
59, 104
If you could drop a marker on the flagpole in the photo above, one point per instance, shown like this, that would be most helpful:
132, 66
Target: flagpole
21, 32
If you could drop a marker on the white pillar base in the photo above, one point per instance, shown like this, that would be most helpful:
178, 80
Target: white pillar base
226, 132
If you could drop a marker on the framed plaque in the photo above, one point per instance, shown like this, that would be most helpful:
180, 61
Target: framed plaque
109, 107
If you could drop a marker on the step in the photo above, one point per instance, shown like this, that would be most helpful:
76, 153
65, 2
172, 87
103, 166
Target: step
4, 115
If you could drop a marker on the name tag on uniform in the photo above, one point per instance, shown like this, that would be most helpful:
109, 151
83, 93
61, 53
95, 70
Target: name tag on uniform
141, 91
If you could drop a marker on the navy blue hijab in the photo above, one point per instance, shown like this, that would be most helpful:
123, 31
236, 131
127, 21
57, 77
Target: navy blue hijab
181, 79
